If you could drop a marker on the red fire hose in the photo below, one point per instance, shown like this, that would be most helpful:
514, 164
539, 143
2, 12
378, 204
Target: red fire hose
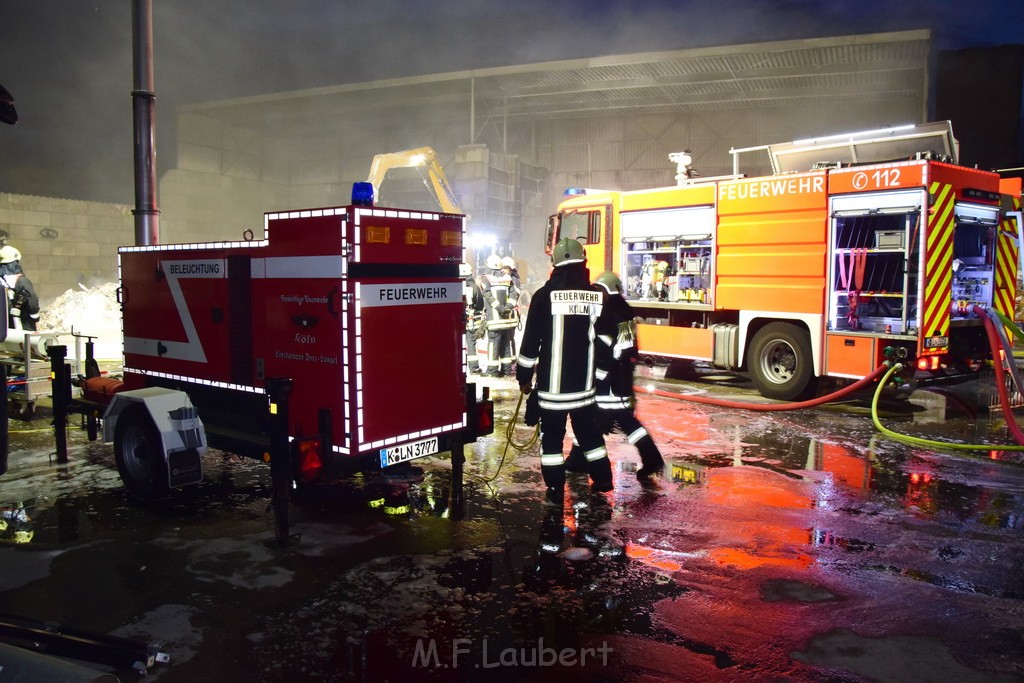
1004, 400
768, 407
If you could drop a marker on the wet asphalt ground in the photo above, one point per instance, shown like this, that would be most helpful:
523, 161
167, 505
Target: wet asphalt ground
793, 546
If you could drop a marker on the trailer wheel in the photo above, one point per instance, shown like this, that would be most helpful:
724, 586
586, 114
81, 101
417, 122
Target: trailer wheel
139, 454
780, 362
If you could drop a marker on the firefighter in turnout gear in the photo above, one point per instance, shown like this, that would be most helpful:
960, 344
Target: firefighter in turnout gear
501, 295
508, 266
474, 297
565, 316
22, 301
615, 397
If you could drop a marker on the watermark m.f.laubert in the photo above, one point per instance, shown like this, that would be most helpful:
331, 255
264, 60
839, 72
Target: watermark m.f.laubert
464, 652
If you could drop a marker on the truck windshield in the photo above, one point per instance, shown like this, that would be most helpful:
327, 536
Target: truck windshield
582, 226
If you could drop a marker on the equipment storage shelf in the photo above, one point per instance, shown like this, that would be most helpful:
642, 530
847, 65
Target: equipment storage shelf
873, 284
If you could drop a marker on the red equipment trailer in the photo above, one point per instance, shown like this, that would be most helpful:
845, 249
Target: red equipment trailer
357, 311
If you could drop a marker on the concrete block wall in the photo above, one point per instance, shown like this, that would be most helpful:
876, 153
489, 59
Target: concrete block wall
66, 241
504, 195
497, 190
535, 209
203, 207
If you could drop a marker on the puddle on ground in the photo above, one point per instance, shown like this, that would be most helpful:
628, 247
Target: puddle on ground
757, 514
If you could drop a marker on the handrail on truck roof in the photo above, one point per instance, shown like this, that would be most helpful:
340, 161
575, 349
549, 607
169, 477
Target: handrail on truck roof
865, 147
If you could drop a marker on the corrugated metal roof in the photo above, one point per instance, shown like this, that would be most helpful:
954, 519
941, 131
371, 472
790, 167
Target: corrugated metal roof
884, 65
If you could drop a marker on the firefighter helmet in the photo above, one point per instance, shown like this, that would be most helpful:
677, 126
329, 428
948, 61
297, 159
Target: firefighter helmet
610, 282
494, 262
465, 270
508, 262
9, 254
567, 250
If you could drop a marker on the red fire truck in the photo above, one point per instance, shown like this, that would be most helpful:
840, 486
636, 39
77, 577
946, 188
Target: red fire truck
357, 309
857, 248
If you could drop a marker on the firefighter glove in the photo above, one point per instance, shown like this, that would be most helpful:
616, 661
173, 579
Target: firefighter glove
532, 416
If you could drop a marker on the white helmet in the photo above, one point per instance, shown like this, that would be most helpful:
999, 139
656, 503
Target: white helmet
494, 262
465, 270
508, 262
9, 254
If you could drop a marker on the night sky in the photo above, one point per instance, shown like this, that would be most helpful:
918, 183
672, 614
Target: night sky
68, 63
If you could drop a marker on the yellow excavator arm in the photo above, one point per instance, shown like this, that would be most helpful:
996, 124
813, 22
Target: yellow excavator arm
424, 157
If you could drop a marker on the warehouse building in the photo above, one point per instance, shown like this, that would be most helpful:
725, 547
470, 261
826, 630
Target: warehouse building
511, 139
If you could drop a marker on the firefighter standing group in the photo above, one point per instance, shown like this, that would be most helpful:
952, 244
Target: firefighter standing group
493, 310
577, 357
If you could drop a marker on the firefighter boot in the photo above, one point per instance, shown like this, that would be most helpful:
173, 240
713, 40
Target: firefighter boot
554, 497
601, 475
576, 462
651, 460
554, 480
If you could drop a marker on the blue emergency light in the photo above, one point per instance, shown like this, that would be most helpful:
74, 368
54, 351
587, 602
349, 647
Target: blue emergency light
362, 194
574, 191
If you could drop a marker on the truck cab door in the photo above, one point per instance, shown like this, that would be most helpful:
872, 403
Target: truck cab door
590, 225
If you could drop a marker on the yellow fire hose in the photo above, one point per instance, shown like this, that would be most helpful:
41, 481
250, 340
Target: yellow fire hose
918, 441
1012, 326
510, 430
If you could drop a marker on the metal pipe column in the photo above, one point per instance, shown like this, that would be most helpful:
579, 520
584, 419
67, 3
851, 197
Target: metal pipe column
147, 216
60, 390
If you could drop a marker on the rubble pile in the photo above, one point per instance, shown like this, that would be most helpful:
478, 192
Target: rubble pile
81, 309
91, 311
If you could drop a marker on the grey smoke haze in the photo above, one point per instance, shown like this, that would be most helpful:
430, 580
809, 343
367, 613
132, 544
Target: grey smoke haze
68, 63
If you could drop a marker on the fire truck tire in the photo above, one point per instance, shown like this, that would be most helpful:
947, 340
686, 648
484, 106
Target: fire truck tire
780, 362
139, 454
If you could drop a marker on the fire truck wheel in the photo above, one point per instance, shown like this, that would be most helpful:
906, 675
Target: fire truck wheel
139, 454
780, 362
